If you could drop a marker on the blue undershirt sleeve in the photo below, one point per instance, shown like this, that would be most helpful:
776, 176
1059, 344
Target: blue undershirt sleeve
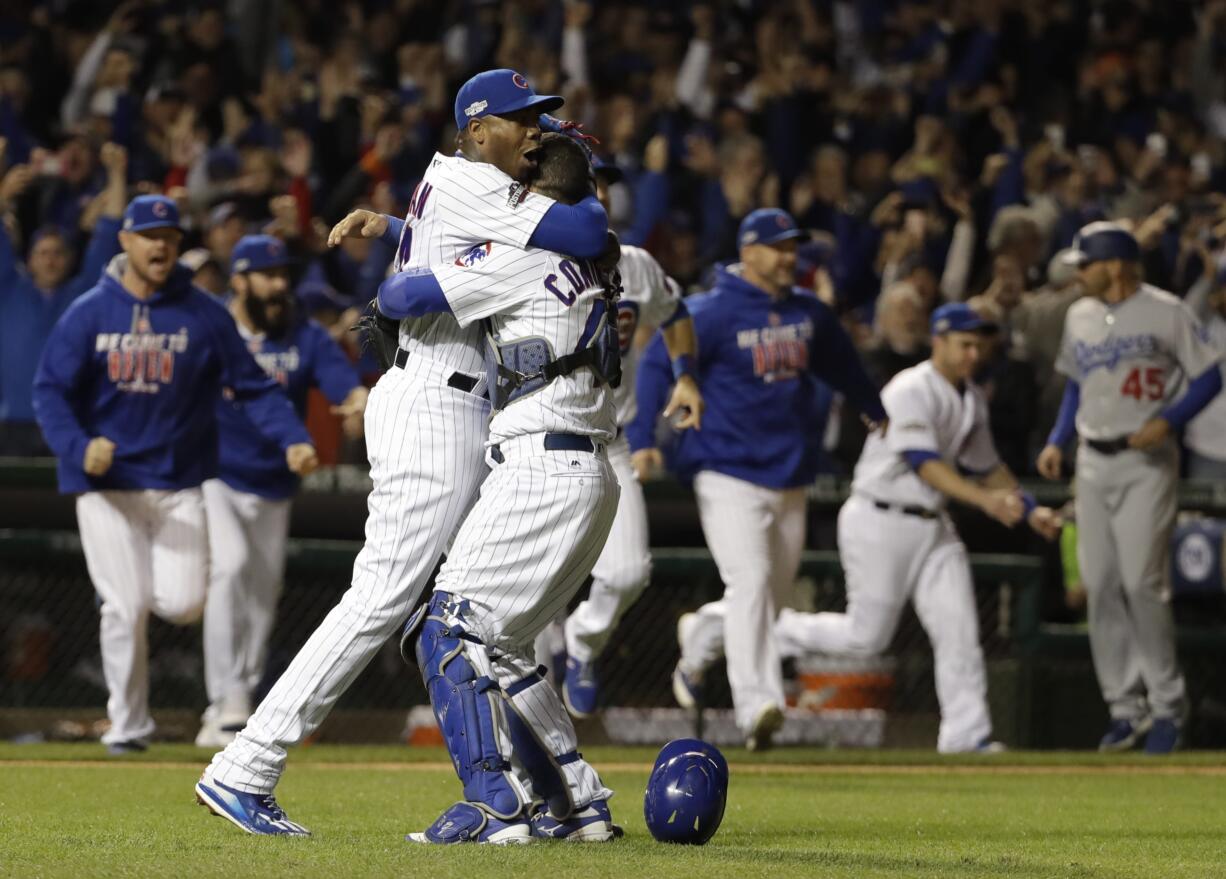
412, 293
577, 230
915, 458
391, 235
1066, 419
1199, 394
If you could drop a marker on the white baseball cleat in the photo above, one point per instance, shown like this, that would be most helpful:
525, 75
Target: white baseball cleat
765, 725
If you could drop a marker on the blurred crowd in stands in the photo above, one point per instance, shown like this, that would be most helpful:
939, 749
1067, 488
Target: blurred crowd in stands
938, 149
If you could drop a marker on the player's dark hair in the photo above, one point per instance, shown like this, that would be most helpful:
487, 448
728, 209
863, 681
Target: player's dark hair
563, 171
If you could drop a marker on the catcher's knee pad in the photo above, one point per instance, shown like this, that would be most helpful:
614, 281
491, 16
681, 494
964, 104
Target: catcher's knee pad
536, 755
468, 705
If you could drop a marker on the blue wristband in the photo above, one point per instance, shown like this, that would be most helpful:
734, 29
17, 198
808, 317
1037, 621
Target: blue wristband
1028, 503
683, 364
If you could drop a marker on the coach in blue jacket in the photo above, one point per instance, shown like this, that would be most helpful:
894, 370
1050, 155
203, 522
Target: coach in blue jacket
763, 344
125, 395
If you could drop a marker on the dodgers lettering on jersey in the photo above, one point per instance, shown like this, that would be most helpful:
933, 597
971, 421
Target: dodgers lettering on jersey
459, 205
532, 295
1131, 359
136, 371
929, 414
649, 298
305, 357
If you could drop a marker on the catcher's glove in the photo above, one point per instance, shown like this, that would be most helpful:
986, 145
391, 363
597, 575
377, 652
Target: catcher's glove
380, 335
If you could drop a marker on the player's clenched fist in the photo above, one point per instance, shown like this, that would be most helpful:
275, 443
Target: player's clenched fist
301, 459
687, 400
98, 456
1050, 461
358, 224
647, 463
1046, 522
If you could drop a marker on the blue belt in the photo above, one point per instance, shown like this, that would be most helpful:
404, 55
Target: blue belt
555, 442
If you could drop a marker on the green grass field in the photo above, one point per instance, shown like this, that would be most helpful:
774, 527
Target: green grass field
67, 810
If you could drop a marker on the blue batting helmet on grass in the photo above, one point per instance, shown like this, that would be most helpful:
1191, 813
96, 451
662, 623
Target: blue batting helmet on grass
686, 792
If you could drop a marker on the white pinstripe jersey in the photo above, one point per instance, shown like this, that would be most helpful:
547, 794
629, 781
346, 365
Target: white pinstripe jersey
649, 297
457, 204
535, 294
927, 414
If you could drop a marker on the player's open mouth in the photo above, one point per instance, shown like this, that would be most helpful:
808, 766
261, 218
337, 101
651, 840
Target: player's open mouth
533, 154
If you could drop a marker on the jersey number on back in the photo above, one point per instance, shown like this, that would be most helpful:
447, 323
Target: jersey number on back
1148, 384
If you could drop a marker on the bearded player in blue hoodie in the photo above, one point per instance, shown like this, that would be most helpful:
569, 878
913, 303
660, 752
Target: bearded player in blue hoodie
763, 344
125, 395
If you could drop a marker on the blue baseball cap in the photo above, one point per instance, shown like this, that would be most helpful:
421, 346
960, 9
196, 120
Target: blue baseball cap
958, 317
151, 212
768, 226
258, 253
1102, 241
497, 92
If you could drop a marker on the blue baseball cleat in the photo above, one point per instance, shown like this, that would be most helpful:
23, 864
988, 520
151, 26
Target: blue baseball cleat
1164, 737
581, 688
593, 824
466, 822
1124, 735
254, 813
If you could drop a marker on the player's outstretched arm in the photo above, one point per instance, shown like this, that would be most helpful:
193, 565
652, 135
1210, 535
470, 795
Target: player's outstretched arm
1003, 504
682, 345
651, 389
61, 371
833, 358
1045, 521
1051, 459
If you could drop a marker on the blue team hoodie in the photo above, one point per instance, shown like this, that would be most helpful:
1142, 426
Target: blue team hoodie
146, 375
759, 361
304, 357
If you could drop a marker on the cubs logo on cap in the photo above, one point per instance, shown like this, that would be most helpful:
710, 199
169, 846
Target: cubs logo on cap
768, 226
496, 93
958, 317
259, 253
150, 212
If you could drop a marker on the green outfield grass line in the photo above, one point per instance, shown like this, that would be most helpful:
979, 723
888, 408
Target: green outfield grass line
988, 767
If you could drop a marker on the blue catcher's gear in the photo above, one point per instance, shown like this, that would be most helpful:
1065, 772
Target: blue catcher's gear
526, 365
468, 704
686, 792
464, 822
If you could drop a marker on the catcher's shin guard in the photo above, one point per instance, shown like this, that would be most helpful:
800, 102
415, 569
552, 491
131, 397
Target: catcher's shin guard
469, 707
546, 746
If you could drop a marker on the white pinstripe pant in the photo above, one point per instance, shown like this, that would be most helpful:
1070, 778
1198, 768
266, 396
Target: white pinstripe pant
147, 551
247, 536
426, 444
756, 536
529, 543
621, 572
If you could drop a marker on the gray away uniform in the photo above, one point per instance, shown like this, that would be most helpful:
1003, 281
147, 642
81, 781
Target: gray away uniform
1132, 360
